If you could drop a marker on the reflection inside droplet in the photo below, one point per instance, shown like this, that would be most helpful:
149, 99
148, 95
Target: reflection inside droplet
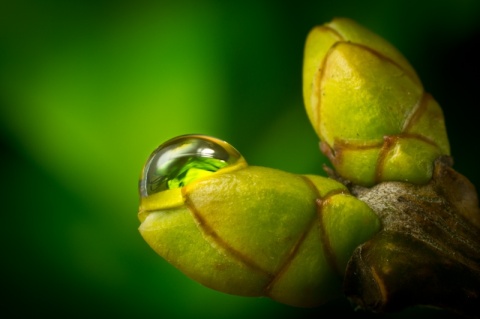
184, 159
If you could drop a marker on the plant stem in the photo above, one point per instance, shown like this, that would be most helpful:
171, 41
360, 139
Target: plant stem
428, 251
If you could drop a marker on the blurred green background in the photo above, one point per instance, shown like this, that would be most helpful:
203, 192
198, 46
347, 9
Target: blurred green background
89, 88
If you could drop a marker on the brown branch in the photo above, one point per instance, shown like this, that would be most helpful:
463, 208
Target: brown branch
428, 252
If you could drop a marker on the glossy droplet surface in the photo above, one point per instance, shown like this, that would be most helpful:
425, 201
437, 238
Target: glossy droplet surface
184, 159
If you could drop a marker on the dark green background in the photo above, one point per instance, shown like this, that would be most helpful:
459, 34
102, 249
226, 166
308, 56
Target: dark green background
89, 88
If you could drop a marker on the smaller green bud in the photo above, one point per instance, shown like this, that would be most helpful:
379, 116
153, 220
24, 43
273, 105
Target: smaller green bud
368, 107
247, 230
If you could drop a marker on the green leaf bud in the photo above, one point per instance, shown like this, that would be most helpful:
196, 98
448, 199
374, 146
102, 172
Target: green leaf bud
255, 231
368, 107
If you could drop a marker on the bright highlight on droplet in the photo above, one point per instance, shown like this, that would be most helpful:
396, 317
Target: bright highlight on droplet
185, 159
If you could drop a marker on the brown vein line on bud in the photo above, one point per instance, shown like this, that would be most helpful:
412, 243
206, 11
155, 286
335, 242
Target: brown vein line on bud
317, 91
321, 78
418, 137
332, 30
412, 76
340, 145
334, 153
208, 231
327, 248
291, 255
288, 260
418, 110
389, 142
148, 211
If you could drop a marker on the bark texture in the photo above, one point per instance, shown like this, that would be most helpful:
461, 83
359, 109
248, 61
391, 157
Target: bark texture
428, 252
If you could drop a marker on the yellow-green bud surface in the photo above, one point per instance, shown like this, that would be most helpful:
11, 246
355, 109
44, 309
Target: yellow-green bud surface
368, 107
254, 231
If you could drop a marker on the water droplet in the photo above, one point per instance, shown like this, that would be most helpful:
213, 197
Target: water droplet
184, 159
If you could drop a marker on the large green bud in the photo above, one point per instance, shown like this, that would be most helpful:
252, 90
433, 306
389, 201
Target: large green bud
246, 230
367, 105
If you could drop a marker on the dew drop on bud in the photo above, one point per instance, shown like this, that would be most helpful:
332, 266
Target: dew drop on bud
184, 159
